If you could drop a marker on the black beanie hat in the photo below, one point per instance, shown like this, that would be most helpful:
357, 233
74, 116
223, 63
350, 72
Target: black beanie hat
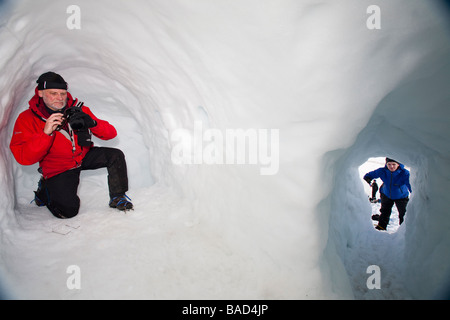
391, 160
51, 80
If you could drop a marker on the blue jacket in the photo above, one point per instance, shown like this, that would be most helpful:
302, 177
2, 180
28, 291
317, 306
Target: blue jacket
395, 184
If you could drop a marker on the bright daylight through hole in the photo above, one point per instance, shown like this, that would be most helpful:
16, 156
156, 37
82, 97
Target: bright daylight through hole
373, 191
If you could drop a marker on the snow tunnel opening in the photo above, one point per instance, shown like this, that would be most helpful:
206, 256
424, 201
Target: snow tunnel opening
358, 244
399, 128
408, 125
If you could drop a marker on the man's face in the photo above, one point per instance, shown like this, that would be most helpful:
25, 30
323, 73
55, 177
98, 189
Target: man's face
55, 99
392, 166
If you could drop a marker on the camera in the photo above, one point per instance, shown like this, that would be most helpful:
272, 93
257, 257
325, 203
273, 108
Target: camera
75, 117
76, 123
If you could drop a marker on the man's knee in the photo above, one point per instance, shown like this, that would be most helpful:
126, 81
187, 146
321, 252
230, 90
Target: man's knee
110, 152
116, 154
62, 211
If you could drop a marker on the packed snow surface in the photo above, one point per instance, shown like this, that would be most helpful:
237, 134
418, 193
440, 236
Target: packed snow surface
330, 91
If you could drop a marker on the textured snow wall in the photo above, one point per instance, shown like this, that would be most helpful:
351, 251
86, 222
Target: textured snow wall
337, 91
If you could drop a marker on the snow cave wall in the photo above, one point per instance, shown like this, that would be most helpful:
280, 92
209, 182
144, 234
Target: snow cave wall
337, 91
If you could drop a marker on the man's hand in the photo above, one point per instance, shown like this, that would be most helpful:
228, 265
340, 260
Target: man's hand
368, 180
52, 123
88, 121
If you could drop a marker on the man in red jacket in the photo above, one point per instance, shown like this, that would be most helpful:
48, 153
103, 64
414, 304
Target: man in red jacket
56, 132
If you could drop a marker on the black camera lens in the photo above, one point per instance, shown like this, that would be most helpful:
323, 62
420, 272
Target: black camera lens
72, 116
76, 123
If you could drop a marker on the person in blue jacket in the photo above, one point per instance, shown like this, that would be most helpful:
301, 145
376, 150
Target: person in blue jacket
395, 189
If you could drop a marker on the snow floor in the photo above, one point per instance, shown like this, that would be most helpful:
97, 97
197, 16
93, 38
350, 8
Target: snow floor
382, 249
153, 252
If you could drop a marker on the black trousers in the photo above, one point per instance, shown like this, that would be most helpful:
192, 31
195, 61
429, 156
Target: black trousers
59, 193
386, 209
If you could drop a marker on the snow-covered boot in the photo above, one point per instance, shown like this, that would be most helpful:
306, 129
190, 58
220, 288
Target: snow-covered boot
121, 202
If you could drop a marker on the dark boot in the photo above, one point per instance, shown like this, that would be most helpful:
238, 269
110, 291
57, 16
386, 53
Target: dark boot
41, 194
121, 202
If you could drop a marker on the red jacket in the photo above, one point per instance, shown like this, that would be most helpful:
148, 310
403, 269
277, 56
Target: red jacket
55, 154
